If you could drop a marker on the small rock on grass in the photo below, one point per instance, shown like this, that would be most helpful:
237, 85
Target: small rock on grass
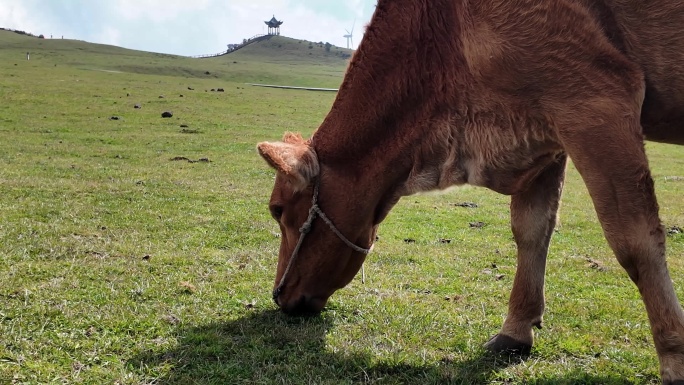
594, 264
77, 366
200, 160
167, 114
674, 230
250, 304
469, 205
172, 319
187, 287
189, 131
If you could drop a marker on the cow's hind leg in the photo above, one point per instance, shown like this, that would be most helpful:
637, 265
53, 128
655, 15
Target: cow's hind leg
533, 219
613, 164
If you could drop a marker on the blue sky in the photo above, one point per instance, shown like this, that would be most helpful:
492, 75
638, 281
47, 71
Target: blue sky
185, 27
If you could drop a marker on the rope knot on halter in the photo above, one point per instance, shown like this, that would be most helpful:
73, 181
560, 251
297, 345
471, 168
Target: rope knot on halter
306, 227
315, 211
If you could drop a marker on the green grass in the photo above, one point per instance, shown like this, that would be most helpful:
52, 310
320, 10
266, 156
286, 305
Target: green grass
120, 266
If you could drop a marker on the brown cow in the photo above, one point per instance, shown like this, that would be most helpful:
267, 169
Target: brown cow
493, 93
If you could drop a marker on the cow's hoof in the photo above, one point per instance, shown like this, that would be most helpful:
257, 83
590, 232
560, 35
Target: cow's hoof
672, 367
503, 344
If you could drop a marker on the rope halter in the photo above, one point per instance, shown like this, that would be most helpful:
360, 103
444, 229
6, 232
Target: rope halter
314, 211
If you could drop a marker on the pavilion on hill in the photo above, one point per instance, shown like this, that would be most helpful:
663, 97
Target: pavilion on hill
273, 26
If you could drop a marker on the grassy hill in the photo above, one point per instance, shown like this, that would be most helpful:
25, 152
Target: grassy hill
121, 262
280, 49
279, 60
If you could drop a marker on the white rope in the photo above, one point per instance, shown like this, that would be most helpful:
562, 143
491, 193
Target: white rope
338, 233
306, 227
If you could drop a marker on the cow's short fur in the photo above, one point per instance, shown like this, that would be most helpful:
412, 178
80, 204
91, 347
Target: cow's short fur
496, 93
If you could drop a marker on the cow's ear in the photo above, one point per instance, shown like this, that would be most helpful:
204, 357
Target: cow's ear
293, 138
293, 157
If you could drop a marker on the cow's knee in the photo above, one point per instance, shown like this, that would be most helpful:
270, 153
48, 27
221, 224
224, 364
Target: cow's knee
641, 252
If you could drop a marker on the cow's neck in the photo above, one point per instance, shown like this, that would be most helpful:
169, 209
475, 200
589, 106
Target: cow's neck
409, 115
391, 87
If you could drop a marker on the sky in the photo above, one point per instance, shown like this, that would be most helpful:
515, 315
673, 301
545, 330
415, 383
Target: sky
186, 27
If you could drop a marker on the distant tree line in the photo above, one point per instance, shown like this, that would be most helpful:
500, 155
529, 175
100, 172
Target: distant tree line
22, 32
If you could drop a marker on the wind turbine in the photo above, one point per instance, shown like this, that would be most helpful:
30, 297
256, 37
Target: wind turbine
350, 36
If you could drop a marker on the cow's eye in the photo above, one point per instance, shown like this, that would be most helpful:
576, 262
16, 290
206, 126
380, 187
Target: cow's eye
276, 212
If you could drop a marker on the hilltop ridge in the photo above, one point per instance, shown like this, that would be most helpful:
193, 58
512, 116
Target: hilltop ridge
276, 60
270, 47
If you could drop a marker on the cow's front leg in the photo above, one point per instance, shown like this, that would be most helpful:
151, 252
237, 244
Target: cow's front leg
533, 219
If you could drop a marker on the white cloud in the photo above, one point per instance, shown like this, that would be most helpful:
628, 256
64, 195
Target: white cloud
357, 7
108, 35
158, 10
17, 15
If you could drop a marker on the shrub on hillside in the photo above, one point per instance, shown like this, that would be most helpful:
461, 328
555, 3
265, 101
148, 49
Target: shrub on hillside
22, 32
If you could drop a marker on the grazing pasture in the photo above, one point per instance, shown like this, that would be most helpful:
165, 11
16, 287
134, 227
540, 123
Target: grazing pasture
119, 265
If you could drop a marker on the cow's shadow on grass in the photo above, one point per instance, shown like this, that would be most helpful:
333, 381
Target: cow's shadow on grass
268, 347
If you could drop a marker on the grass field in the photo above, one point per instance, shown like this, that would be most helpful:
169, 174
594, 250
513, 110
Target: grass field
119, 265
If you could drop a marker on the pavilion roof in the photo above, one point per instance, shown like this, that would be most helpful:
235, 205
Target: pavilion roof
273, 22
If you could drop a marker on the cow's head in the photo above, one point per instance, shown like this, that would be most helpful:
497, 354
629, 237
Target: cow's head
330, 253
